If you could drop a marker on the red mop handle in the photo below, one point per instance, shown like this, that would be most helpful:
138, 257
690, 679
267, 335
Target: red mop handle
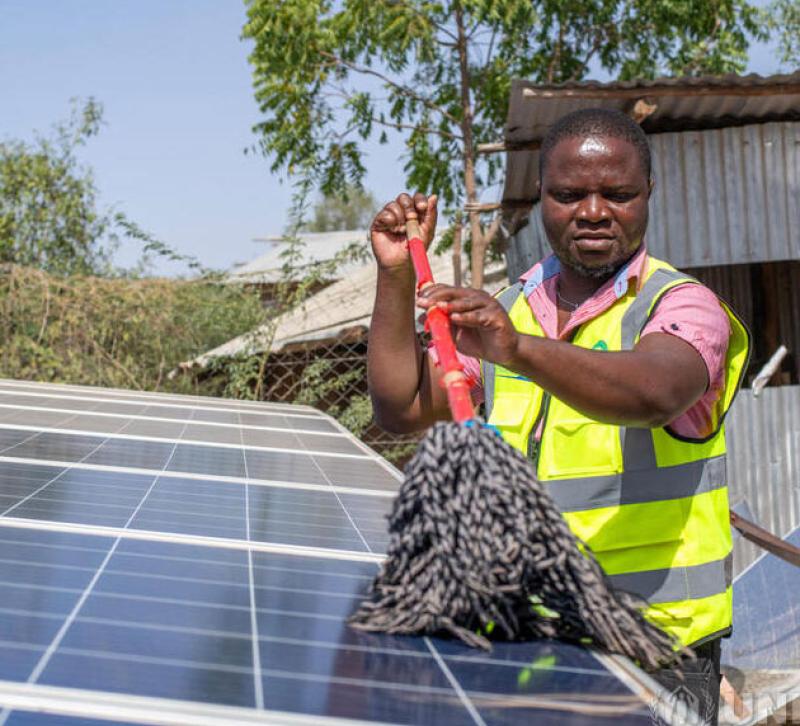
437, 323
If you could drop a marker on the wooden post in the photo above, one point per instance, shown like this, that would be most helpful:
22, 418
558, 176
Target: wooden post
458, 229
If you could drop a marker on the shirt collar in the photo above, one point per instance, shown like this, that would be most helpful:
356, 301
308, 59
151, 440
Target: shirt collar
550, 267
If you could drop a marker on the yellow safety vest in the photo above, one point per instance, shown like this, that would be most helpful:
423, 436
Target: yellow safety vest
651, 505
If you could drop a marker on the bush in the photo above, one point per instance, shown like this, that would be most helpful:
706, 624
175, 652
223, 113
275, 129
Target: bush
117, 332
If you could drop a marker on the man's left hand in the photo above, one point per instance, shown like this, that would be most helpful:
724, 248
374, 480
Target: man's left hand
481, 327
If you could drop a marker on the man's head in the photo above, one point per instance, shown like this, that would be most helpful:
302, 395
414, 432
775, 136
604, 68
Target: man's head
594, 176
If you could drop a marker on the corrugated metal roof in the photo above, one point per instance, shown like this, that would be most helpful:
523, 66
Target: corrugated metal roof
722, 196
316, 247
681, 104
341, 306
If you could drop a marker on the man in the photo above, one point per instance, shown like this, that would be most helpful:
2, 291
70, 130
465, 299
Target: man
608, 368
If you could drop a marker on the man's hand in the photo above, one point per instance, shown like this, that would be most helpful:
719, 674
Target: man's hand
481, 327
388, 231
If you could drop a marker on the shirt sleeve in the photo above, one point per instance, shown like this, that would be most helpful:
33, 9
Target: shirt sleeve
472, 370
693, 314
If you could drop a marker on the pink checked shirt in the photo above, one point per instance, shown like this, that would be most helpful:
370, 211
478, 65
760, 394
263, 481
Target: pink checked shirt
689, 312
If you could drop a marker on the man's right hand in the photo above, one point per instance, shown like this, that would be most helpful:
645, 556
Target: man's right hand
388, 231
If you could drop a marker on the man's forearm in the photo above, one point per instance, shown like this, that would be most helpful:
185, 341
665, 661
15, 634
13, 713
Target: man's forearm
635, 388
394, 357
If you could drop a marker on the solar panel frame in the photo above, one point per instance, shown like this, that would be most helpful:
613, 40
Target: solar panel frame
348, 491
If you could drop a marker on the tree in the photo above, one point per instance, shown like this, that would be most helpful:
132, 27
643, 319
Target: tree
330, 75
48, 203
49, 213
784, 22
352, 211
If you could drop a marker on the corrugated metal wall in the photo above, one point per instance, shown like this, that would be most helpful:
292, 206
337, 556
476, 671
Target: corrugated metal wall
764, 462
774, 322
722, 197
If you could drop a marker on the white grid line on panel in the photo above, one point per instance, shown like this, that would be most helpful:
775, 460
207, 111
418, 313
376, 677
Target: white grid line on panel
163, 419
82, 703
158, 576
166, 440
145, 396
56, 642
192, 539
225, 408
258, 686
453, 681
160, 600
307, 486
180, 558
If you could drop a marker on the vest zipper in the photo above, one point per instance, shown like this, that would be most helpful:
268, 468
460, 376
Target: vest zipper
533, 444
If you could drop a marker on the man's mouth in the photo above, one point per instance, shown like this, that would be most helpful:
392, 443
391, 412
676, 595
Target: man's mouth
593, 243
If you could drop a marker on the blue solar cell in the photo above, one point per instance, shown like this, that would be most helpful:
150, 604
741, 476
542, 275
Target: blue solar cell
279, 466
9, 438
766, 615
310, 442
18, 660
137, 454
209, 649
26, 718
119, 674
359, 473
367, 701
207, 460
314, 519
86, 497
515, 713
53, 447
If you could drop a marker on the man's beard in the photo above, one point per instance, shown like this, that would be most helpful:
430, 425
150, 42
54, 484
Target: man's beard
595, 273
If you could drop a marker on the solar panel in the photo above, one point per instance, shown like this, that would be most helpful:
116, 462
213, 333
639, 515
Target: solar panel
168, 559
766, 614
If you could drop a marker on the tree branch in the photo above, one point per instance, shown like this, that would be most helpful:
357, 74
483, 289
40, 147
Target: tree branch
425, 129
402, 89
577, 74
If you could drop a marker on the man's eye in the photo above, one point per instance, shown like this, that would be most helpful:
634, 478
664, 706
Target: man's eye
566, 197
620, 197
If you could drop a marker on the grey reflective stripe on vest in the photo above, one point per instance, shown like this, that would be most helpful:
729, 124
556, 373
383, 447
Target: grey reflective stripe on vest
507, 298
637, 314
678, 583
638, 487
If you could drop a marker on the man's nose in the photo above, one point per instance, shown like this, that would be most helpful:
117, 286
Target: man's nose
593, 209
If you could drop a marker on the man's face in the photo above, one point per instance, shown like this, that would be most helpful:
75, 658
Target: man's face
594, 203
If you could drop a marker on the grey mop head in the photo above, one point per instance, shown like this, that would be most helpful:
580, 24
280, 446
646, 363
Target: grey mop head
477, 544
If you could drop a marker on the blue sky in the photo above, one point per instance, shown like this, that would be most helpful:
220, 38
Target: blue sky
173, 78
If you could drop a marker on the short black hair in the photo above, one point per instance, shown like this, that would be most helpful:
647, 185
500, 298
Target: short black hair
596, 122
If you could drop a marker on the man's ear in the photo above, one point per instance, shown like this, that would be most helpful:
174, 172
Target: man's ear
650, 185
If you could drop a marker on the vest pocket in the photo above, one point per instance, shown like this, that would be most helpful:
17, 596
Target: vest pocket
579, 447
514, 411
635, 533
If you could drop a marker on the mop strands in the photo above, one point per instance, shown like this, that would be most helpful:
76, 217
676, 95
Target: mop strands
478, 548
